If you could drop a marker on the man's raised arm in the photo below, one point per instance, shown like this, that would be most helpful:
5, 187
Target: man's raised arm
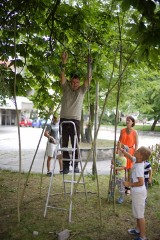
64, 61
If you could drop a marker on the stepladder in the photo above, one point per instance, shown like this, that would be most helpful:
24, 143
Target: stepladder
72, 179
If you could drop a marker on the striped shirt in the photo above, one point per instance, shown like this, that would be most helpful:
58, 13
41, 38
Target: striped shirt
147, 169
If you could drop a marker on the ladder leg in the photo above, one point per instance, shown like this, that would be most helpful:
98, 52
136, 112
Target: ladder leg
70, 211
49, 190
64, 186
83, 180
71, 195
73, 177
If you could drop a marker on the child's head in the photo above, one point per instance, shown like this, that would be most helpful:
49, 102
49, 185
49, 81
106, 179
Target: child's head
55, 118
120, 153
126, 149
121, 145
145, 153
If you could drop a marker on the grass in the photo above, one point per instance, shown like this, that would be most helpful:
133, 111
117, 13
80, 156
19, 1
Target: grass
86, 224
100, 143
146, 128
139, 127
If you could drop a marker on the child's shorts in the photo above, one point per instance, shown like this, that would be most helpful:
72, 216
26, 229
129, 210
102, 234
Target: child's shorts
138, 204
51, 148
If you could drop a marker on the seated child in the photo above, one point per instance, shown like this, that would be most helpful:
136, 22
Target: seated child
120, 165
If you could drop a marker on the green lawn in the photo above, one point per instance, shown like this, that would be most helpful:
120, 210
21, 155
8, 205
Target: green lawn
139, 127
146, 128
94, 219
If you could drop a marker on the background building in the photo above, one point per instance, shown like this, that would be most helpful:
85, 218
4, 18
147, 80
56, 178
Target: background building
8, 111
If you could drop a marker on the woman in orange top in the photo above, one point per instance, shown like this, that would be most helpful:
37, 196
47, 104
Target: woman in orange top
129, 137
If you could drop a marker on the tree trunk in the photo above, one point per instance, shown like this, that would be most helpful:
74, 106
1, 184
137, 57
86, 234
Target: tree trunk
153, 125
89, 127
94, 171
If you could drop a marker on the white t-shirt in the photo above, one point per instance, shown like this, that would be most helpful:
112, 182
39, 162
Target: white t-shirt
138, 171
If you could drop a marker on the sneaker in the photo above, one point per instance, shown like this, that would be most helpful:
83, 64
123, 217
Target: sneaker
133, 231
128, 192
76, 170
61, 171
49, 173
65, 170
120, 200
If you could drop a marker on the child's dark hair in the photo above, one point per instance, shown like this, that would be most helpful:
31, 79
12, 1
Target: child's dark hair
132, 119
146, 152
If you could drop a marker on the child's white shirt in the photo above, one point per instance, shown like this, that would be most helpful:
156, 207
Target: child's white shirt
138, 171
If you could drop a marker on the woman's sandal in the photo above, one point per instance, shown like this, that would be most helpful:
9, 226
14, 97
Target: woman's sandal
127, 191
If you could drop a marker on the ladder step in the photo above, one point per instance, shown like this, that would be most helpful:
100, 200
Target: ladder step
67, 149
67, 159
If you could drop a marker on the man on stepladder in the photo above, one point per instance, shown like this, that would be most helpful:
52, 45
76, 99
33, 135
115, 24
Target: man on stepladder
71, 107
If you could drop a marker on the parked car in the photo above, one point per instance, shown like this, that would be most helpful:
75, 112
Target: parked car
37, 123
25, 122
44, 122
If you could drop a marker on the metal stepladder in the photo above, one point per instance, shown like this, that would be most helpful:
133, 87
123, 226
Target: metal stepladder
72, 181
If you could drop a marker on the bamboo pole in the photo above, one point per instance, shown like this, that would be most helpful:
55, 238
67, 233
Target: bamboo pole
17, 115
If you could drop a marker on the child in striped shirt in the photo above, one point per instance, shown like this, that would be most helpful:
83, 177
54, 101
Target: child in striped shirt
147, 173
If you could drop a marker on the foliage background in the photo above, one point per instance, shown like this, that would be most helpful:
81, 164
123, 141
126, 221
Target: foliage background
121, 36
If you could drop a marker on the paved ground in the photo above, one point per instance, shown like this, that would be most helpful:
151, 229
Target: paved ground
9, 151
9, 148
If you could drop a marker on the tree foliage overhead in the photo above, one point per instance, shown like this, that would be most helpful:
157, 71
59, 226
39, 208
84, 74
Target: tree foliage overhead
121, 36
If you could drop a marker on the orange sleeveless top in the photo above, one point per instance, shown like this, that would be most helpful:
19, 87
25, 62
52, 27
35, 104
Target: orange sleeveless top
128, 139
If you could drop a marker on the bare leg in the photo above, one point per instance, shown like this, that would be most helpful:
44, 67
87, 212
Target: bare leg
141, 227
129, 174
48, 163
60, 162
128, 178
